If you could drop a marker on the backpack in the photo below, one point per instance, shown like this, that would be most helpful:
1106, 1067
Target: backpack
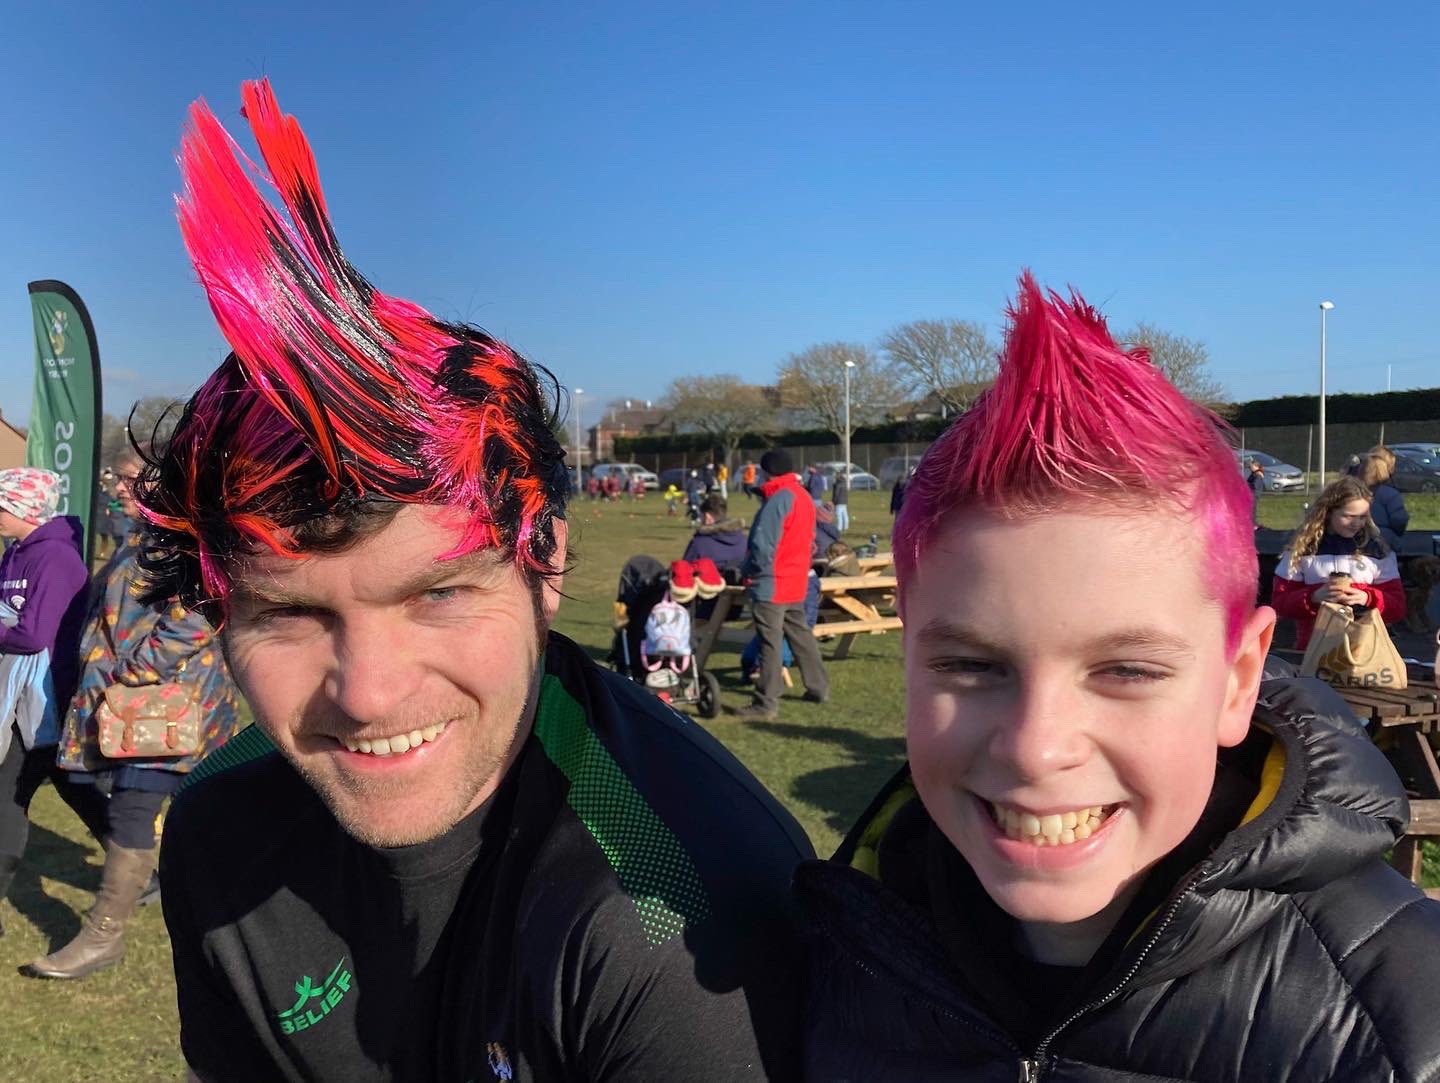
667, 629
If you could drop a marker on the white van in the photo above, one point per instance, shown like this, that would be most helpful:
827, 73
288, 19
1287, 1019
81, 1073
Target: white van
626, 472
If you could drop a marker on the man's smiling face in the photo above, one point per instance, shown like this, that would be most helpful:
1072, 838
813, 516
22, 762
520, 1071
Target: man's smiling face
1068, 686
398, 684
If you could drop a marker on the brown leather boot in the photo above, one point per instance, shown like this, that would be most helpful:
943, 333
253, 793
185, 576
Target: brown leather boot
100, 942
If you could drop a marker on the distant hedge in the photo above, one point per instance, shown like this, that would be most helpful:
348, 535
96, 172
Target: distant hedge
1418, 405
895, 432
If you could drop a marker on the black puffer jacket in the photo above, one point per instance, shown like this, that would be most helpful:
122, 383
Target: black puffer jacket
1290, 953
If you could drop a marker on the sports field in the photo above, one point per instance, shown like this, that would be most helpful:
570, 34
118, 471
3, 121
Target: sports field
822, 761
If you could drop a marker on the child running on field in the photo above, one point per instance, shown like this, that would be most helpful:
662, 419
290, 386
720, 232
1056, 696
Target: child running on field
1119, 850
1337, 555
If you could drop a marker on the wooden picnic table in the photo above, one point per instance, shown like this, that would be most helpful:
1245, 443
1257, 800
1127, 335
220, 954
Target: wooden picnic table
859, 600
1401, 723
850, 605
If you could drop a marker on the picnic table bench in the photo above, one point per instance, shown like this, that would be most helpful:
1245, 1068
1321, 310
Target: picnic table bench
1401, 722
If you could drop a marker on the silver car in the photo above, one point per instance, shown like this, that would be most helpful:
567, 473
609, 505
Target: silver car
859, 479
1279, 477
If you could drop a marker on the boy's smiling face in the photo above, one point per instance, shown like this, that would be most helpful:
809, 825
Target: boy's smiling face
1068, 686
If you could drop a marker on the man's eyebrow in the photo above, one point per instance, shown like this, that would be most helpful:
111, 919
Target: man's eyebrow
476, 565
942, 632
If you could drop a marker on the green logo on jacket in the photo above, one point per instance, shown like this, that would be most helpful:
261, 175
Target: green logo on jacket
325, 998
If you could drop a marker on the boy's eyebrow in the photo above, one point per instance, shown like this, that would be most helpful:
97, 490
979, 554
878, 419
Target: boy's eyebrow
476, 564
942, 632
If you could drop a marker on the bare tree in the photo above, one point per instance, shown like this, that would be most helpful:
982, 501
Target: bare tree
954, 360
1184, 361
150, 419
813, 382
723, 407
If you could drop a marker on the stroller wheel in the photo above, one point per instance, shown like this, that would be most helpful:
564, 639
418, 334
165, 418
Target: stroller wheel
709, 695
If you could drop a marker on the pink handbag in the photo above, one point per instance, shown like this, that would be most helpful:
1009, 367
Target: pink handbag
150, 722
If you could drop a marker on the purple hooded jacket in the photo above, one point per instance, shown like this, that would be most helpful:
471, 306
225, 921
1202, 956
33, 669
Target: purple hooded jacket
722, 542
44, 579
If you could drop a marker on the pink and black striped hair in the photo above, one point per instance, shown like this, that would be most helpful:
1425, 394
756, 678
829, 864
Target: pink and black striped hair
337, 399
1075, 420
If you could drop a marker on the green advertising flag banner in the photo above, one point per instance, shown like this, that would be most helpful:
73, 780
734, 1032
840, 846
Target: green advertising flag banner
65, 411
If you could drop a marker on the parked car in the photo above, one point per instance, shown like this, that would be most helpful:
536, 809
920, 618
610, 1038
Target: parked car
1279, 477
892, 471
626, 472
1417, 451
859, 479
675, 476
1416, 476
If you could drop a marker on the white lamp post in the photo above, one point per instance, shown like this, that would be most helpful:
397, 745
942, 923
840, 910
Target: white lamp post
848, 366
1325, 306
579, 479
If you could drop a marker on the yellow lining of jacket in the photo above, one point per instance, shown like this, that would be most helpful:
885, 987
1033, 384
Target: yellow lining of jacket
867, 849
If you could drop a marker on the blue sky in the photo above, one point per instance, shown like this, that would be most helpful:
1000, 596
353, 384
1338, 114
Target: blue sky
634, 192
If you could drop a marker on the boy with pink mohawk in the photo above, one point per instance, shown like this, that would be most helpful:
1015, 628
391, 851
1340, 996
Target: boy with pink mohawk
1121, 849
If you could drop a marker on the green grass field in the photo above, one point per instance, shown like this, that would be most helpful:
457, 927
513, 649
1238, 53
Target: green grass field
823, 762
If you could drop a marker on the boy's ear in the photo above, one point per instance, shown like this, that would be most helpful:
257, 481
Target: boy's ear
1246, 669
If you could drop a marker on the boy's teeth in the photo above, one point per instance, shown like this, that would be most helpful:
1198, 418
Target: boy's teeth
401, 742
1056, 829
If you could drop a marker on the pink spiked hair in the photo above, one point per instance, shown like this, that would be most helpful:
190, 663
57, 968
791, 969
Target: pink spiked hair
1073, 416
336, 394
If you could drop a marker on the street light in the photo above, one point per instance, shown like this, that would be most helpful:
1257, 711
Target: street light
579, 481
848, 366
1325, 306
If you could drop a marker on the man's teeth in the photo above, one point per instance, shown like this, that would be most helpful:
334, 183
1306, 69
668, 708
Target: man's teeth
1057, 829
401, 742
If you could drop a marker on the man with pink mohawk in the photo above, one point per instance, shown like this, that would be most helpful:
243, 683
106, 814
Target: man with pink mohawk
1123, 847
451, 847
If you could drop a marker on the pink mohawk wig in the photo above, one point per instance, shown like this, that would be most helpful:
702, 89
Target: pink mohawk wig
1072, 417
336, 394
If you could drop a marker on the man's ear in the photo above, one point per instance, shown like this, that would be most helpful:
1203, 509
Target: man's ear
551, 586
1246, 669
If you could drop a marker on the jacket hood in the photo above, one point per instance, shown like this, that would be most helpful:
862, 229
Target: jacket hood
724, 526
1327, 802
63, 530
784, 481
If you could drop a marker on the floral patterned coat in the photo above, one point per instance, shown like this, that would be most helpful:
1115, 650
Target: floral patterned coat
127, 642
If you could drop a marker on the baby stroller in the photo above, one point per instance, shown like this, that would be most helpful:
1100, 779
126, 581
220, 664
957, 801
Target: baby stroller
652, 644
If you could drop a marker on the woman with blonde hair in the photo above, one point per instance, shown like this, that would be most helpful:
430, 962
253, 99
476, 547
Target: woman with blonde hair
1387, 508
1337, 555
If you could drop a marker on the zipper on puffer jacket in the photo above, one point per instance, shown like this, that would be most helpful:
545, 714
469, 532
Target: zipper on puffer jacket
1160, 926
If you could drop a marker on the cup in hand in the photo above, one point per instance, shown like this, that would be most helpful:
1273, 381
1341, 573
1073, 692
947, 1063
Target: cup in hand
1339, 582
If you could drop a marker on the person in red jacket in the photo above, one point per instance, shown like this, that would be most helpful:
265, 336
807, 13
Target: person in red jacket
1338, 537
777, 563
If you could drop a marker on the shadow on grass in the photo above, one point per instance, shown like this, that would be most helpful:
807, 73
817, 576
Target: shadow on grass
841, 792
56, 858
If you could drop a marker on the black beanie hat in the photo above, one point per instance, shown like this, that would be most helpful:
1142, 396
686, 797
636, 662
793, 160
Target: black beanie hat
777, 461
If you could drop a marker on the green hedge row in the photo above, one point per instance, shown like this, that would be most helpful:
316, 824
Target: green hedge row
1417, 405
895, 432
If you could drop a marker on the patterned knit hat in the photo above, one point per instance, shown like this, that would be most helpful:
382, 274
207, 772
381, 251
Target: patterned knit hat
30, 494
